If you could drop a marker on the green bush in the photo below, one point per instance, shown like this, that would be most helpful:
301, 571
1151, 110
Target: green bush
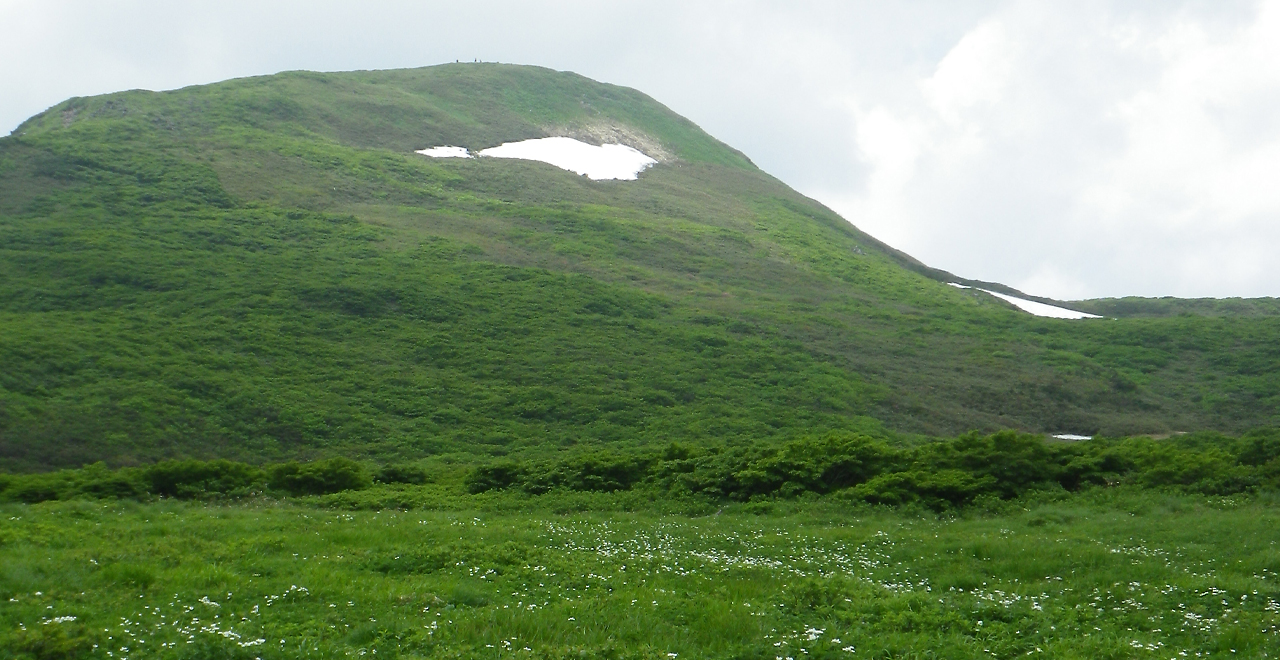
494, 477
819, 465
401, 474
936, 489
604, 472
1014, 462
190, 479
1258, 447
319, 478
942, 474
32, 489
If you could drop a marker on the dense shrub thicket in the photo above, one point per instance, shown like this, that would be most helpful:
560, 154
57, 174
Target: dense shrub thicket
939, 475
193, 479
850, 466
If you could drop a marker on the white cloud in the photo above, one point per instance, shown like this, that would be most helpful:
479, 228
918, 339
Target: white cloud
1075, 152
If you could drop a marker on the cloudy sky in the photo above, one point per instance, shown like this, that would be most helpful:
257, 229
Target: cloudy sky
1069, 149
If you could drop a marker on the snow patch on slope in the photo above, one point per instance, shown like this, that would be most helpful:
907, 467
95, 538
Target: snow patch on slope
445, 152
1035, 308
607, 161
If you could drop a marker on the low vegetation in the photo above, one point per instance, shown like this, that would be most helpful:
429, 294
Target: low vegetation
1114, 572
845, 466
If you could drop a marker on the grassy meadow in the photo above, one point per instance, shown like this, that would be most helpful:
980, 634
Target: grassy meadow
1102, 574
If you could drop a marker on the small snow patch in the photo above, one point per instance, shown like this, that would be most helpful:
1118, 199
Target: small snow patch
1072, 436
1035, 308
607, 161
445, 152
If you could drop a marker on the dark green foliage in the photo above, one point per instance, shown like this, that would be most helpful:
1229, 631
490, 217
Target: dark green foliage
400, 474
1259, 447
937, 488
496, 476
600, 472
30, 490
938, 475
318, 478
52, 642
200, 478
95, 481
192, 479
1008, 461
821, 465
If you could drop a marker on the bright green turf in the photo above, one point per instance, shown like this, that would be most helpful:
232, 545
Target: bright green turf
1098, 575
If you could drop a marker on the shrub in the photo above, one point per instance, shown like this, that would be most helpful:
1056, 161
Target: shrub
401, 474
319, 478
1258, 447
111, 486
1013, 461
602, 472
188, 479
820, 465
493, 477
938, 489
35, 488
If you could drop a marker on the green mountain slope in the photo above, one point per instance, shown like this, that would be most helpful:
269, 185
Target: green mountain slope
263, 269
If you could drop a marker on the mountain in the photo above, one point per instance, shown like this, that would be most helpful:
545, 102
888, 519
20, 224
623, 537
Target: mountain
263, 268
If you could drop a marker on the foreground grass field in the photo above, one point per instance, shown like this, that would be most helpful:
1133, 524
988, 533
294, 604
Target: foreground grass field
1101, 574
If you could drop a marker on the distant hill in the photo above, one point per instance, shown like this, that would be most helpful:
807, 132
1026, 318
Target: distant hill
263, 269
1161, 307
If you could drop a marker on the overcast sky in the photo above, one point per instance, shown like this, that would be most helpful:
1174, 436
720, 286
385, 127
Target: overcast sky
1069, 149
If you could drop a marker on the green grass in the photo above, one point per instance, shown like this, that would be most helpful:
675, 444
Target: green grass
1103, 574
262, 270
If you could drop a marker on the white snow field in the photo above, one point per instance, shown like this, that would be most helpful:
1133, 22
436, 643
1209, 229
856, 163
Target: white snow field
445, 152
1035, 308
607, 161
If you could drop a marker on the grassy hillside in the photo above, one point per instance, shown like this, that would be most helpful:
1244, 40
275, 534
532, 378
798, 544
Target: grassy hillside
262, 269
1162, 307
